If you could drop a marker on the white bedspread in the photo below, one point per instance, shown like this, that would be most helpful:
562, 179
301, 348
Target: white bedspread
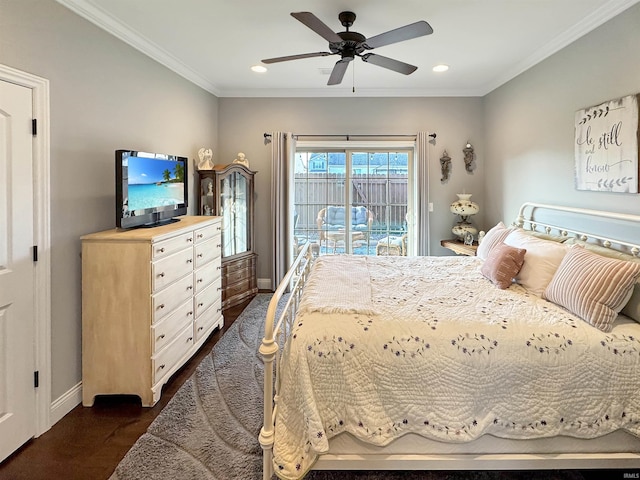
434, 348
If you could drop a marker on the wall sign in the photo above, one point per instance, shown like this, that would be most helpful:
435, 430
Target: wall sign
606, 146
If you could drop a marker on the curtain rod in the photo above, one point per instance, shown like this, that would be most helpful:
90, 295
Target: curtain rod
432, 135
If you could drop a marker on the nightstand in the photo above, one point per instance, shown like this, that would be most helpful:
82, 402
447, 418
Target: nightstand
459, 247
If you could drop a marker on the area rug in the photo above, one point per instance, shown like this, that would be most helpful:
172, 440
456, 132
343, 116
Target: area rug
209, 429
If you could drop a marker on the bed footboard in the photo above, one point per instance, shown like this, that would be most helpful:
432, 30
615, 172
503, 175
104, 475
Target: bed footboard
277, 326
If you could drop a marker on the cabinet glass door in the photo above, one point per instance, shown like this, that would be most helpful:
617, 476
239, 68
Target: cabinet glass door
233, 209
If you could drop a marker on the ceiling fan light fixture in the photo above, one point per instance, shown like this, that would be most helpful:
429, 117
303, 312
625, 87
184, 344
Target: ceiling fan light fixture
258, 69
441, 68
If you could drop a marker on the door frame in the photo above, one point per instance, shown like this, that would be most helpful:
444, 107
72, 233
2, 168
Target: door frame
42, 238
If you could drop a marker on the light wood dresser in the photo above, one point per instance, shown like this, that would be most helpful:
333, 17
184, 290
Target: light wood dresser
150, 299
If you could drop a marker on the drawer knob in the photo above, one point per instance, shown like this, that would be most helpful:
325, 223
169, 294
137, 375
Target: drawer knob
161, 250
161, 274
219, 228
190, 287
219, 245
189, 239
200, 255
189, 314
219, 267
219, 288
200, 235
200, 328
161, 306
200, 280
201, 304
161, 337
162, 367
190, 261
189, 339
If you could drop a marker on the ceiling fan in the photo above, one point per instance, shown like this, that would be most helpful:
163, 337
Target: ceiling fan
353, 44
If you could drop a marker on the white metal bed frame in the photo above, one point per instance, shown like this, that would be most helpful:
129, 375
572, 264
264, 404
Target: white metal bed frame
277, 328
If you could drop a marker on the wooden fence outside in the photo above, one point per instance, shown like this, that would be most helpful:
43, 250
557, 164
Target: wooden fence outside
384, 195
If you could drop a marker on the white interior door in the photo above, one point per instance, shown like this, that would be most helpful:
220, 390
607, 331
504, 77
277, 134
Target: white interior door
17, 315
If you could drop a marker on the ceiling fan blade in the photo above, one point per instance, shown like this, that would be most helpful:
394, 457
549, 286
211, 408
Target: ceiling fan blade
338, 71
390, 63
413, 30
315, 24
296, 57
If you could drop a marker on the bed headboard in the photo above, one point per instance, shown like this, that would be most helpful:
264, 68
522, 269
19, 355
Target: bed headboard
617, 231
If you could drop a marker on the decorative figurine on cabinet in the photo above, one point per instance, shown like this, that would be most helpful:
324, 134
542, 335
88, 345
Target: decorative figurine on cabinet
242, 159
206, 159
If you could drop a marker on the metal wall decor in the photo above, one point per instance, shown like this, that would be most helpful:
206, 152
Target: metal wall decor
469, 157
445, 166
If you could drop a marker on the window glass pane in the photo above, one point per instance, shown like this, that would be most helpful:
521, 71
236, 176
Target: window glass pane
349, 201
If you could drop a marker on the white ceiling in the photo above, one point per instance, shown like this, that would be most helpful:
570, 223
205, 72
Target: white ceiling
213, 43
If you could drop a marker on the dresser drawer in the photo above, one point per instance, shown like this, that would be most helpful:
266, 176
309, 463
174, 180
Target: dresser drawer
237, 275
168, 269
237, 288
163, 332
165, 359
171, 245
206, 298
205, 276
206, 251
167, 300
206, 233
230, 266
207, 319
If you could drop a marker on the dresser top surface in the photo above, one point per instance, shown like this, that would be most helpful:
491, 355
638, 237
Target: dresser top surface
184, 224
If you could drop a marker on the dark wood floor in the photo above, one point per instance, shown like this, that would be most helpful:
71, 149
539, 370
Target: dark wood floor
88, 443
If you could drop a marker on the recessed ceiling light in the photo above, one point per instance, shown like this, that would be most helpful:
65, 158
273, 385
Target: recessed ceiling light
441, 68
259, 68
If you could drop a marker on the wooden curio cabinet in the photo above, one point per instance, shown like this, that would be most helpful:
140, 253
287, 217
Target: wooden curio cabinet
227, 191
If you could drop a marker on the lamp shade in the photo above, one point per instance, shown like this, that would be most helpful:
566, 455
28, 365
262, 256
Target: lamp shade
463, 206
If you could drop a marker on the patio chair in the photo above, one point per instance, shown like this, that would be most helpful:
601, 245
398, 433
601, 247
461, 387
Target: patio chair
392, 245
332, 222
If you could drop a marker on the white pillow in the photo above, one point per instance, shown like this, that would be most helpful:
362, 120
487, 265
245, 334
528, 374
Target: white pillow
540, 262
494, 236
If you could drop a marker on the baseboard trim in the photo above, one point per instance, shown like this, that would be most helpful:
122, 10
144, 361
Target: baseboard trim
264, 284
65, 403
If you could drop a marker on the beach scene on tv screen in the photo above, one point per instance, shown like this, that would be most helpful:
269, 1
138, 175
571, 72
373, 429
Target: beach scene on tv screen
153, 182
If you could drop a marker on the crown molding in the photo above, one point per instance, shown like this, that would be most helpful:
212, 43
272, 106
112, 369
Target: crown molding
124, 32
591, 22
119, 29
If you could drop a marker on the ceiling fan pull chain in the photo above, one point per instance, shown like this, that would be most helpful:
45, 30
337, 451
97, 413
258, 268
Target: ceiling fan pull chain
353, 72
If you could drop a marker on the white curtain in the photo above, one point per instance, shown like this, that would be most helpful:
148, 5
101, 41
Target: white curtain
422, 164
283, 150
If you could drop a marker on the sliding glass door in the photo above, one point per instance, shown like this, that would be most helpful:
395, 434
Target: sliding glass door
353, 201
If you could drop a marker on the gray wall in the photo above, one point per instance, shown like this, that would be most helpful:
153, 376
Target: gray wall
454, 120
104, 95
530, 121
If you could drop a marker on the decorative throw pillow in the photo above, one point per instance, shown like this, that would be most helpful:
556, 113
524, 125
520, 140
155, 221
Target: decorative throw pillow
632, 307
591, 286
503, 264
540, 262
493, 237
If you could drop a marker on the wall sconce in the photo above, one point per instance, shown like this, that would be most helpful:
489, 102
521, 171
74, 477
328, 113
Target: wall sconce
445, 166
468, 157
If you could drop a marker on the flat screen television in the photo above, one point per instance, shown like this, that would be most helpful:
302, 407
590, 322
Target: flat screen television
151, 188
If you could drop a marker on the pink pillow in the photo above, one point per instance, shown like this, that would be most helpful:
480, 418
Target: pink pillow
494, 236
503, 264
